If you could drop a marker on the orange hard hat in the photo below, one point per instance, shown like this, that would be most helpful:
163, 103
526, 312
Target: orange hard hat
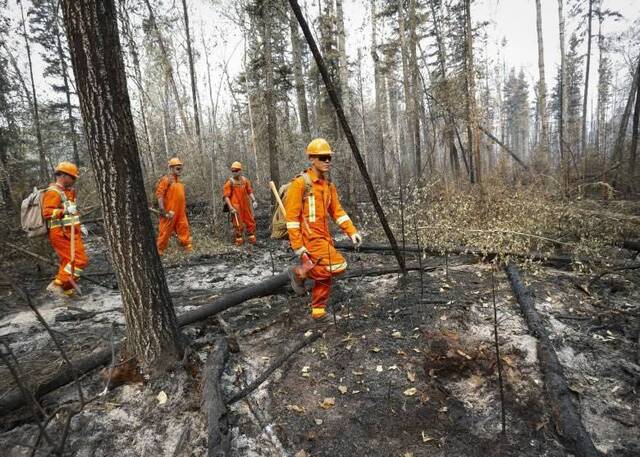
236, 166
318, 147
175, 162
68, 168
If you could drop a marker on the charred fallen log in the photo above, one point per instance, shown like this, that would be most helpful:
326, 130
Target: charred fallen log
213, 404
566, 417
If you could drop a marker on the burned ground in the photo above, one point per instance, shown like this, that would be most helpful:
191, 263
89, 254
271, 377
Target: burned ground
408, 369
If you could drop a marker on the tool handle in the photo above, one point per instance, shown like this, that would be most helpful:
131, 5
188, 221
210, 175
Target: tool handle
277, 196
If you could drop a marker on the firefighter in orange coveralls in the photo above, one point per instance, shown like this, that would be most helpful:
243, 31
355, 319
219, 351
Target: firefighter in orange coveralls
173, 208
237, 192
61, 213
307, 219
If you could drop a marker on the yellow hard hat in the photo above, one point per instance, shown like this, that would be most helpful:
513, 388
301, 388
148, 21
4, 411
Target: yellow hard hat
236, 166
175, 162
318, 147
68, 168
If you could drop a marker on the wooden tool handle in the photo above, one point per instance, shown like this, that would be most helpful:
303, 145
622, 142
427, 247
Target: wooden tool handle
277, 196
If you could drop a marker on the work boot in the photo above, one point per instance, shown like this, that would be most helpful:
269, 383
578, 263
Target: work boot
56, 290
319, 314
297, 284
252, 239
239, 241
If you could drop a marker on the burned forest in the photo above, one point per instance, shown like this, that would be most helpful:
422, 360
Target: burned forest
319, 228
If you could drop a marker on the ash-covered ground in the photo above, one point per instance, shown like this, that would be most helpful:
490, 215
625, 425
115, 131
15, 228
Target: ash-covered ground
408, 369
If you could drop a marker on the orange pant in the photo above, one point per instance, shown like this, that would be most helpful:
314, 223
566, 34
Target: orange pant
60, 239
243, 220
178, 224
321, 285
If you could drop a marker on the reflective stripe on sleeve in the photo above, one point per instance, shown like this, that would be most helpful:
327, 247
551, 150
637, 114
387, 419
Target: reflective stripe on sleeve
293, 225
343, 219
337, 267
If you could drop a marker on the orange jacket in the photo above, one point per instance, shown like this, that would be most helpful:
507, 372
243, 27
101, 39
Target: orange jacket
238, 192
171, 190
308, 218
53, 208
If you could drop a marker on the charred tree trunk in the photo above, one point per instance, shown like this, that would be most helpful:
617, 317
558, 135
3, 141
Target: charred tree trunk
213, 404
192, 74
567, 419
151, 328
269, 99
298, 77
43, 173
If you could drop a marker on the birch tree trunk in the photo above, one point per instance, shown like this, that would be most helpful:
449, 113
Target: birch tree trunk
543, 143
43, 174
151, 329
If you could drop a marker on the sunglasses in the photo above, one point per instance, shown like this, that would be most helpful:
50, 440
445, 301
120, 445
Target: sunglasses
177, 168
322, 158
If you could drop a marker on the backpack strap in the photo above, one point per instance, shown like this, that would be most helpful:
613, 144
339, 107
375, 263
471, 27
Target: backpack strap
60, 193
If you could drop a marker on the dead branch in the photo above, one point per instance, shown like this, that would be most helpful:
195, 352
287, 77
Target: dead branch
566, 417
213, 404
274, 366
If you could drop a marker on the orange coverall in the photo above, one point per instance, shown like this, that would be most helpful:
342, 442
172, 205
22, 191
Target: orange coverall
59, 225
238, 193
308, 227
174, 199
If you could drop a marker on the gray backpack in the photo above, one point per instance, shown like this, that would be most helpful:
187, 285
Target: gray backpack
31, 218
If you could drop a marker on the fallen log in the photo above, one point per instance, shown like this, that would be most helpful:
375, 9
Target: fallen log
102, 356
213, 404
566, 417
